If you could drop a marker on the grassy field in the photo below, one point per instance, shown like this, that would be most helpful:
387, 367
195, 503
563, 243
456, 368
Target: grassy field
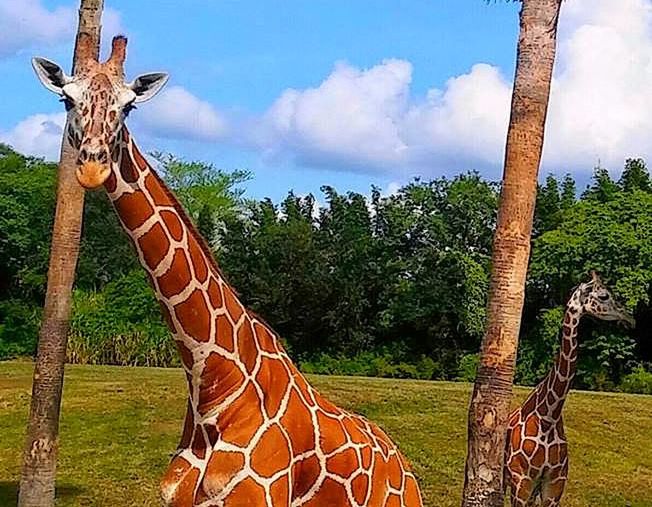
119, 426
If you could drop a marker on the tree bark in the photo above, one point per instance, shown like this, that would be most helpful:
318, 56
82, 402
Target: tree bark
37, 484
490, 403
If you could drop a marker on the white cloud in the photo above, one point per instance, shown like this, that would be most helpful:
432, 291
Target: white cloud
28, 23
176, 113
600, 107
392, 188
350, 117
39, 135
369, 119
466, 122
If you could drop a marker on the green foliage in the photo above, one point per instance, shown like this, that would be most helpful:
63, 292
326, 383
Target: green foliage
18, 328
603, 360
208, 194
551, 203
639, 381
537, 348
372, 364
603, 188
635, 176
26, 215
362, 275
379, 285
120, 325
468, 367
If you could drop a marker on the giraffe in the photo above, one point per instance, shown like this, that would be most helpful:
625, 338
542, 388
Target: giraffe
536, 460
255, 432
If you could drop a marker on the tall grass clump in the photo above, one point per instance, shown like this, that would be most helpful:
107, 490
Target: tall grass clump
120, 325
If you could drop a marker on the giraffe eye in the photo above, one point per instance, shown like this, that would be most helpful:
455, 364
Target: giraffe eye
67, 103
603, 297
128, 108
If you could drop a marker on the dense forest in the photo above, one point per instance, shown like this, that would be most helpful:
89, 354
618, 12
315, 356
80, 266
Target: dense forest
386, 285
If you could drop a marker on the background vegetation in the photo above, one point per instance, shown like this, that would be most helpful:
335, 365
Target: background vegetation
119, 425
390, 286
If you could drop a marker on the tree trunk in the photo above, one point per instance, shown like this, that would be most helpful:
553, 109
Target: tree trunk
490, 403
37, 484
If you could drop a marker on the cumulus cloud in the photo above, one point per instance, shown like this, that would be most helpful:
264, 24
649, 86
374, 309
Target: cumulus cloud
174, 114
368, 118
28, 23
350, 117
178, 114
39, 135
466, 122
600, 107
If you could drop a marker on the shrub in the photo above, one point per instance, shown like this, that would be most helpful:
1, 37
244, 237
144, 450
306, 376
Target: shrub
603, 359
120, 325
637, 382
372, 364
19, 324
538, 348
468, 367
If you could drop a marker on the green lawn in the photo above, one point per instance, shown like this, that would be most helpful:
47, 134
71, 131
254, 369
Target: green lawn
119, 426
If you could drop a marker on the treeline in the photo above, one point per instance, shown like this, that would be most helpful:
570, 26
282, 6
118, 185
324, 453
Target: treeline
374, 285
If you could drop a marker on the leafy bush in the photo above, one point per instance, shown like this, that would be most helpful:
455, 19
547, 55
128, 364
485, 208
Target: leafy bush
538, 348
372, 364
468, 367
604, 359
637, 382
120, 325
19, 323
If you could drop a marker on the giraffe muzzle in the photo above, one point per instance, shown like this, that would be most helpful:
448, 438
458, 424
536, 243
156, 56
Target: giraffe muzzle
92, 174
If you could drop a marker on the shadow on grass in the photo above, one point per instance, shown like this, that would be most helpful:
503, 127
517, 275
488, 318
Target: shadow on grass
9, 492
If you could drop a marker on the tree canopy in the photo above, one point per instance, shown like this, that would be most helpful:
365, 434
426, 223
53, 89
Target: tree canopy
391, 285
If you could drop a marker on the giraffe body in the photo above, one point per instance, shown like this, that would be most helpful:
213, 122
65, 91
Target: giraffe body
254, 428
255, 432
536, 459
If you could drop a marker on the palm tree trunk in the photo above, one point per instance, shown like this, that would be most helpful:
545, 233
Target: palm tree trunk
492, 393
37, 485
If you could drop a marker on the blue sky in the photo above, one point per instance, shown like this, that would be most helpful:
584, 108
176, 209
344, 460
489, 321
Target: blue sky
350, 94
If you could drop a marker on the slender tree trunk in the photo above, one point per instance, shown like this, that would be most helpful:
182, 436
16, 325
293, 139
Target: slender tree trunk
37, 485
490, 403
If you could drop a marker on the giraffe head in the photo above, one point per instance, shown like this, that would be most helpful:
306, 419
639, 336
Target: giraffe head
597, 300
98, 100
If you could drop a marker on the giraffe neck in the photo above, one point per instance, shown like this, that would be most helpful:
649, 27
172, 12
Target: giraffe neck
558, 382
206, 318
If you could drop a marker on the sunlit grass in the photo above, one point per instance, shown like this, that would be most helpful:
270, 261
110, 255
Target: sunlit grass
119, 426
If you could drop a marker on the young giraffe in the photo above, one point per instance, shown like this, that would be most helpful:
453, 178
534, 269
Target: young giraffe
536, 461
255, 432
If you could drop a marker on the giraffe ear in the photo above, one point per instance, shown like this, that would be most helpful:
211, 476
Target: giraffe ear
51, 75
146, 86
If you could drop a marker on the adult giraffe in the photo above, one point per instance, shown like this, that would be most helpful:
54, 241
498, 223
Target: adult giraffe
536, 460
255, 433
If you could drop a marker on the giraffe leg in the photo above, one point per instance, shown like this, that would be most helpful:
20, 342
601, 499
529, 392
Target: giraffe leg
554, 484
179, 483
521, 492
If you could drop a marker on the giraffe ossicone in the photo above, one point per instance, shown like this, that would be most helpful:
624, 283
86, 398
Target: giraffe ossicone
255, 432
536, 458
98, 100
